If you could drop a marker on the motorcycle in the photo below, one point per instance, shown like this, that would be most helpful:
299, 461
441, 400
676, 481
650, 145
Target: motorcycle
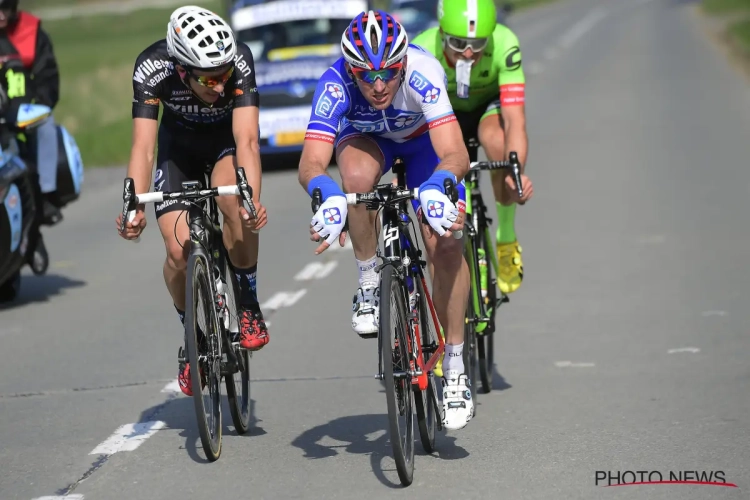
21, 241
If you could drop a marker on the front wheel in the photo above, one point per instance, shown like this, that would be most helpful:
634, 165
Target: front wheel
238, 379
204, 354
9, 290
486, 348
398, 390
426, 401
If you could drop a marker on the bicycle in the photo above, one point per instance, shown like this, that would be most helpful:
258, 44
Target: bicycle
483, 300
408, 321
210, 296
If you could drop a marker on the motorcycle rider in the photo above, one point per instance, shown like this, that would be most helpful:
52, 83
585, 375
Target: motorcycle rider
29, 74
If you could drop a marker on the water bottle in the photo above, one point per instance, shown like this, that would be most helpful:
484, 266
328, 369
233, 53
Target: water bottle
482, 272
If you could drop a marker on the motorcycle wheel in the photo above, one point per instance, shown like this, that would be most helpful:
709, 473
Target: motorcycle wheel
9, 290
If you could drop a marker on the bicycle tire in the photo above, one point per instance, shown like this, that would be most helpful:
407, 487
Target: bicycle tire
470, 350
425, 401
236, 381
396, 358
199, 288
485, 340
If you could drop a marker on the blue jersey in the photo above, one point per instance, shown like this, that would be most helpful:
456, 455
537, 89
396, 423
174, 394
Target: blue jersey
420, 104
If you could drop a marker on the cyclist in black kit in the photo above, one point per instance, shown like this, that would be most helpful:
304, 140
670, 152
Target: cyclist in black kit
206, 83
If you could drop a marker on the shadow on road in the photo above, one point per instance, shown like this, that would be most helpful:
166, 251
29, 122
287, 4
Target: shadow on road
368, 435
36, 289
178, 413
498, 381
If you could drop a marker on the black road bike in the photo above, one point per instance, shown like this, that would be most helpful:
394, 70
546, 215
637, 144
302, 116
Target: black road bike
409, 340
212, 309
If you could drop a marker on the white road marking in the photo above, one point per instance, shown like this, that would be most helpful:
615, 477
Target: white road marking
128, 437
338, 248
582, 27
173, 386
550, 53
570, 364
316, 270
534, 68
283, 299
706, 314
684, 349
66, 497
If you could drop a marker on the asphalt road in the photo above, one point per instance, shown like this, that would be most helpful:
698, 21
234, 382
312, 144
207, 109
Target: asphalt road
635, 245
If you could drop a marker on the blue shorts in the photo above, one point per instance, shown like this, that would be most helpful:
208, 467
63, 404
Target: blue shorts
418, 154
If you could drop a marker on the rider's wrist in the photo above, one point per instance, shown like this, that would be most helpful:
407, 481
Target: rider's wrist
327, 186
437, 179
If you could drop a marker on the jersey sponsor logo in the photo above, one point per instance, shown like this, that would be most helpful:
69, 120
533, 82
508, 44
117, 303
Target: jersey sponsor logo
513, 58
149, 67
242, 65
369, 126
443, 120
513, 94
331, 97
199, 114
422, 85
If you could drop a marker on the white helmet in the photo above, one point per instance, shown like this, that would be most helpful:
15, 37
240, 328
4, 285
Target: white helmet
199, 38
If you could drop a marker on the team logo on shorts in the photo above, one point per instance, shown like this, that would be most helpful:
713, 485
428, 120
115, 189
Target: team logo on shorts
435, 209
332, 216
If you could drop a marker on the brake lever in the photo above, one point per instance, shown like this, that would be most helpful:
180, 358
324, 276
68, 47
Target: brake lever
247, 192
516, 166
452, 193
128, 205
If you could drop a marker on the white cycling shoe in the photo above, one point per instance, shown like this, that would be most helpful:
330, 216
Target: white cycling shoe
458, 407
366, 307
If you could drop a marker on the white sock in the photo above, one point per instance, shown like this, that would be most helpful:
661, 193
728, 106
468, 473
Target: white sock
454, 358
367, 272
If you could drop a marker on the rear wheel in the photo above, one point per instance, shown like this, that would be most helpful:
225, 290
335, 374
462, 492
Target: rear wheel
485, 351
398, 390
9, 290
204, 357
238, 382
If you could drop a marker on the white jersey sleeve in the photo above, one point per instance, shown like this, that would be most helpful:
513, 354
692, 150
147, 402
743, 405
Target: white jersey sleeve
427, 86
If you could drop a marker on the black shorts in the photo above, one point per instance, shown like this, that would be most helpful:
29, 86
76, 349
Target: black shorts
187, 156
469, 123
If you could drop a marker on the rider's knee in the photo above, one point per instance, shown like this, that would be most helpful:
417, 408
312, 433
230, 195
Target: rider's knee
177, 255
360, 165
448, 253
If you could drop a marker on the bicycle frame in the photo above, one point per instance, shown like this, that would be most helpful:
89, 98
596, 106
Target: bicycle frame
400, 250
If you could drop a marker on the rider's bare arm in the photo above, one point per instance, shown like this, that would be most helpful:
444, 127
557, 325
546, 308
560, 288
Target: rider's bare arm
316, 155
141, 164
245, 129
515, 132
450, 148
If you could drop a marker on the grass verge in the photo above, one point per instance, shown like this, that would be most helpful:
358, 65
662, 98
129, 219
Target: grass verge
735, 17
96, 56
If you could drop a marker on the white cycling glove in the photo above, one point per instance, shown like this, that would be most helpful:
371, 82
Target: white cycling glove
330, 218
440, 211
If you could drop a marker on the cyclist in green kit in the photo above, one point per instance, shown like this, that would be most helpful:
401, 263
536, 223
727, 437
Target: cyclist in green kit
486, 86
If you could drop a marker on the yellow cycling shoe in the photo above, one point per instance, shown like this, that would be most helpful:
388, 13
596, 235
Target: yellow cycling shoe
510, 273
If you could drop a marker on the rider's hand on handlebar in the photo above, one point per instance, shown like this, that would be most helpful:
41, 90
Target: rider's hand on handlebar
133, 229
528, 189
247, 219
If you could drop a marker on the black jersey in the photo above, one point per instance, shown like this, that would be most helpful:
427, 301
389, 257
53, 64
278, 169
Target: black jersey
155, 80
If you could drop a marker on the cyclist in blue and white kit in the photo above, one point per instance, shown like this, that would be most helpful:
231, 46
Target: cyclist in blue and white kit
386, 98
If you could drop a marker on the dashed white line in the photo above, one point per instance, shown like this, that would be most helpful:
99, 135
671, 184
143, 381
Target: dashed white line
283, 299
65, 497
582, 27
316, 270
706, 314
692, 350
570, 364
128, 437
173, 386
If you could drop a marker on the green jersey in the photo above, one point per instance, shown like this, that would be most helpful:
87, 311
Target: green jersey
499, 71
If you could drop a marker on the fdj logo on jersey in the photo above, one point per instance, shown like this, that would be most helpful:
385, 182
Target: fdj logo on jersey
423, 86
332, 216
329, 99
